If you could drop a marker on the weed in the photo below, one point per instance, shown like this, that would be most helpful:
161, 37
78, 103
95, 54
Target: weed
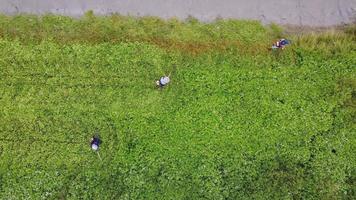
236, 121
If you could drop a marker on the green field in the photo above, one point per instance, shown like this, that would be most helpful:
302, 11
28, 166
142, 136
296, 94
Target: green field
236, 122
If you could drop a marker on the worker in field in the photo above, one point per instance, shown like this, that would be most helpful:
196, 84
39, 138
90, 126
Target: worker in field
163, 81
281, 44
95, 142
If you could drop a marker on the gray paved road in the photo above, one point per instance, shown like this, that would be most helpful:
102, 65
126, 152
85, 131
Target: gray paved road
297, 12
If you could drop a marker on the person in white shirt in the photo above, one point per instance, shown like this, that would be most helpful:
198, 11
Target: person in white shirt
163, 81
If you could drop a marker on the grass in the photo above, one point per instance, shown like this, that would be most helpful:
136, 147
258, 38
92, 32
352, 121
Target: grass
237, 121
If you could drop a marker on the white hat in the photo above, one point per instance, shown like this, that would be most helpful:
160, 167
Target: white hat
165, 80
94, 147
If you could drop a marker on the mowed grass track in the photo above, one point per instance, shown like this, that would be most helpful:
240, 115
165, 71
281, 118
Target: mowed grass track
231, 124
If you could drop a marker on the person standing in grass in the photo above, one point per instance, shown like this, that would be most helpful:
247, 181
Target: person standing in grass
163, 81
281, 44
95, 142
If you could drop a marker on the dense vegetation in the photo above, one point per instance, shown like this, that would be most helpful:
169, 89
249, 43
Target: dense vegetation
237, 121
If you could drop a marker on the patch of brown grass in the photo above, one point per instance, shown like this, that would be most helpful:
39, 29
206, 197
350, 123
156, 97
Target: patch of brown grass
196, 47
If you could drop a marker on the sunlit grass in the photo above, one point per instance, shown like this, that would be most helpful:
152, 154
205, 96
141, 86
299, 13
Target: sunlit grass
238, 121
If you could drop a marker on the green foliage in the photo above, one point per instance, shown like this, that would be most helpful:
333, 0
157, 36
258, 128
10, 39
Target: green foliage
232, 124
351, 30
117, 28
276, 31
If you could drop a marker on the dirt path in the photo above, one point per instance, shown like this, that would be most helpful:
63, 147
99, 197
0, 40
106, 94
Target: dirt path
296, 12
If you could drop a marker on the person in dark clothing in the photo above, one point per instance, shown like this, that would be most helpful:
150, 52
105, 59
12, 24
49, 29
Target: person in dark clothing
95, 142
280, 44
